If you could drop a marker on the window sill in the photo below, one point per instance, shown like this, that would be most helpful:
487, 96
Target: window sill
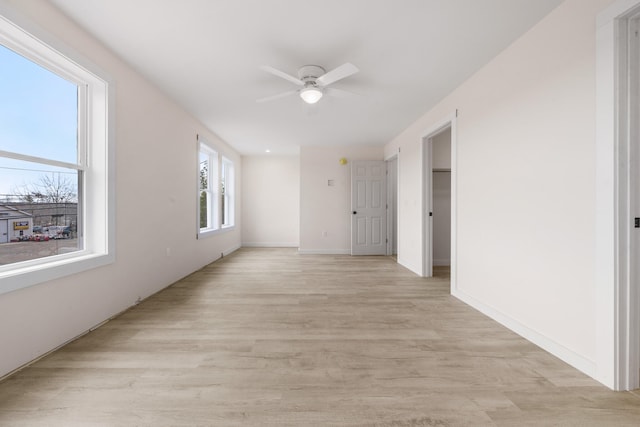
23, 277
209, 233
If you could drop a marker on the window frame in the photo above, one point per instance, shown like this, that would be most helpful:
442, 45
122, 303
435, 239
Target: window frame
227, 175
96, 156
212, 191
220, 162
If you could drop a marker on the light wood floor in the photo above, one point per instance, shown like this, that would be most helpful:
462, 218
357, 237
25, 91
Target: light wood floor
267, 337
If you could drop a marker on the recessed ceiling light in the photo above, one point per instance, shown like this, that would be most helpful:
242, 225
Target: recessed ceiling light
267, 151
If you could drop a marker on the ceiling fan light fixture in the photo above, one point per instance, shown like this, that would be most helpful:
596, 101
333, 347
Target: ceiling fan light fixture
311, 95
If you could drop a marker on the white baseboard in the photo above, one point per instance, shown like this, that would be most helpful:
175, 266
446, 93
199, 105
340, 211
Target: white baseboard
324, 251
269, 245
231, 250
561, 352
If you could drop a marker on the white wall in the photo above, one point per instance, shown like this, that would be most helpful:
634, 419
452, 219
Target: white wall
156, 210
271, 201
325, 211
525, 184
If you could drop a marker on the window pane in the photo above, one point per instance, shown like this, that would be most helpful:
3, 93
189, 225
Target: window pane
38, 110
38, 211
223, 180
207, 189
204, 209
204, 171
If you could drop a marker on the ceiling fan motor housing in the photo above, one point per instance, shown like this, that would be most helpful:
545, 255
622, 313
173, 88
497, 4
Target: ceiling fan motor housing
309, 73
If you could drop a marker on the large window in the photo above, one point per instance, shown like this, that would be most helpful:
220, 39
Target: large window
55, 184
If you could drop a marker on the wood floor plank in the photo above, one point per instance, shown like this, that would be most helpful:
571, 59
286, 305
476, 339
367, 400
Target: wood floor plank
268, 337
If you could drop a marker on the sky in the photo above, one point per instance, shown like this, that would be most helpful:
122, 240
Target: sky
38, 117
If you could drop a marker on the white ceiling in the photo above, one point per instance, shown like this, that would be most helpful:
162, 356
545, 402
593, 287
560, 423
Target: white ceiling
205, 54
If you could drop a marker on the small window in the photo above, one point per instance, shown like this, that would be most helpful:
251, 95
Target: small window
55, 168
207, 189
227, 192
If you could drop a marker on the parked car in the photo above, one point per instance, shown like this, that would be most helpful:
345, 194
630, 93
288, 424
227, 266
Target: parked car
37, 229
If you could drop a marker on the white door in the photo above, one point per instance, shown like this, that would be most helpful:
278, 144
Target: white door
4, 231
369, 208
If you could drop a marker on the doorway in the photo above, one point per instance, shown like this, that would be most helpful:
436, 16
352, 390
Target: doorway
439, 199
633, 358
618, 195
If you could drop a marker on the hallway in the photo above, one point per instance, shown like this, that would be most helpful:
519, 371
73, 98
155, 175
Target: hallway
271, 337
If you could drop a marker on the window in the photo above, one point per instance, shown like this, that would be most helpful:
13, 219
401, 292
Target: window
215, 191
55, 184
227, 183
207, 189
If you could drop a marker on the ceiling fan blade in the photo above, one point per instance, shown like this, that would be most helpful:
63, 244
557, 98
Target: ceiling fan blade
278, 96
340, 93
282, 75
345, 70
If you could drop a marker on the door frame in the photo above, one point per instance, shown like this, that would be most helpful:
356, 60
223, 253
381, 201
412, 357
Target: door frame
426, 143
427, 203
617, 294
392, 210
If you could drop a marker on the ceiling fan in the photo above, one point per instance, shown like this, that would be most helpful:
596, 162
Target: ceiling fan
313, 81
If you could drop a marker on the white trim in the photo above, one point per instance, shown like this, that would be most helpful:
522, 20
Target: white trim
270, 245
226, 165
212, 191
450, 121
392, 233
230, 250
391, 156
49, 162
23, 277
615, 11
571, 357
210, 232
615, 312
426, 181
324, 251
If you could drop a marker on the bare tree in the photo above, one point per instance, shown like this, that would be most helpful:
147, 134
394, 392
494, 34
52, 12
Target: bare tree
53, 188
